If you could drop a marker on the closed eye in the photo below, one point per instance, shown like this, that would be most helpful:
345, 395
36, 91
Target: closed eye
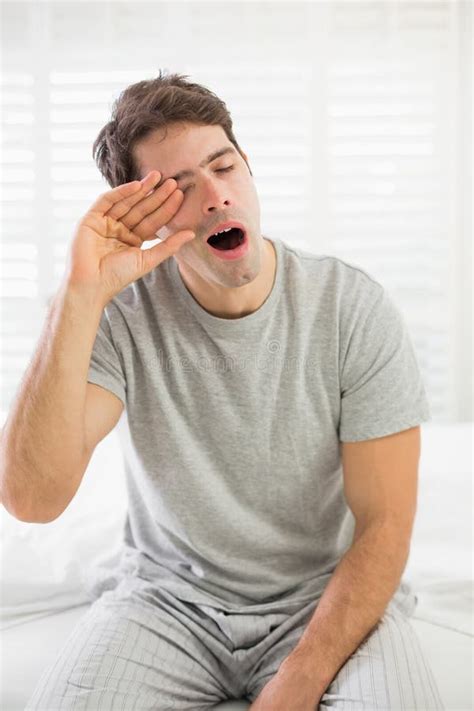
219, 170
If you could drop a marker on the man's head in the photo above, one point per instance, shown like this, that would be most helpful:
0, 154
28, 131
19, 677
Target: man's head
171, 125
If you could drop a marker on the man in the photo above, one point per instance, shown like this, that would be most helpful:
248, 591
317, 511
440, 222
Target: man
271, 407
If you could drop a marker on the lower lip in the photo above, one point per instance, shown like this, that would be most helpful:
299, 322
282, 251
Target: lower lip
235, 253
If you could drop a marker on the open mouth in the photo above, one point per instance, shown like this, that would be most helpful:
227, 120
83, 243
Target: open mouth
227, 240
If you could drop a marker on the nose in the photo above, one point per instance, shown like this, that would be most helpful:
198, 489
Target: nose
215, 196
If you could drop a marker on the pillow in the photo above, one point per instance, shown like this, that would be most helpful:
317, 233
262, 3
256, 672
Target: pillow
45, 566
442, 533
439, 566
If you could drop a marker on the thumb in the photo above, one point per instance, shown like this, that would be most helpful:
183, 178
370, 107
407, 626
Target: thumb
152, 257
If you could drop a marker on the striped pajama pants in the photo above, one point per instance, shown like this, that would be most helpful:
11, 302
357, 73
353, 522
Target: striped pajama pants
137, 647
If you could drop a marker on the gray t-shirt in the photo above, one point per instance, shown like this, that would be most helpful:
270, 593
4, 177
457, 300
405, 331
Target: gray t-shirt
232, 427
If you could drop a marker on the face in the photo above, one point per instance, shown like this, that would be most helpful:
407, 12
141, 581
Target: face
220, 191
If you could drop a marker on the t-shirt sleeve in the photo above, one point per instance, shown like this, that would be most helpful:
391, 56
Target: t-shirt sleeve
105, 367
382, 391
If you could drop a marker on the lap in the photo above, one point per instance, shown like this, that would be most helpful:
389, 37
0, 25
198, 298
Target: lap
388, 670
137, 649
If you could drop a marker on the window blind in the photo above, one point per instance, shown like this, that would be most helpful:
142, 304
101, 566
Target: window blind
349, 114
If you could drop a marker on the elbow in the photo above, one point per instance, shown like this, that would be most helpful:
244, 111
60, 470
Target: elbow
25, 515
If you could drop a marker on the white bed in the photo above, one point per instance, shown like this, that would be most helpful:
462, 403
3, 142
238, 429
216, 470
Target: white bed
44, 568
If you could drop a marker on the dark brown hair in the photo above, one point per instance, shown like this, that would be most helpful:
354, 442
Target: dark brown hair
149, 105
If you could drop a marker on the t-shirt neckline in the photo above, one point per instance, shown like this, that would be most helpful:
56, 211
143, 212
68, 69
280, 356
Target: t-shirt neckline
230, 325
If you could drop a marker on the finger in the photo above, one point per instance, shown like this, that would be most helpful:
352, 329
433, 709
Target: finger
147, 228
148, 204
147, 186
108, 199
157, 254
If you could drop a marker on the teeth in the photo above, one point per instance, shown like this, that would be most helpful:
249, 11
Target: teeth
221, 231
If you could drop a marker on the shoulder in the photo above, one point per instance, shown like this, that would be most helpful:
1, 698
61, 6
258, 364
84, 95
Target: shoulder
347, 283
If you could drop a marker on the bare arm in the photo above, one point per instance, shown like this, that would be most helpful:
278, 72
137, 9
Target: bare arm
42, 448
48, 437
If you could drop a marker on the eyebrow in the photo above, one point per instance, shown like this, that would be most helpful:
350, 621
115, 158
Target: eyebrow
209, 159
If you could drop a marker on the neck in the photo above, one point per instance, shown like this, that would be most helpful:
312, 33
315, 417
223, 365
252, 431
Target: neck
231, 303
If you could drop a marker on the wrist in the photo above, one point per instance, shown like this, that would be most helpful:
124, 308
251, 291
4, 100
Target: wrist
302, 663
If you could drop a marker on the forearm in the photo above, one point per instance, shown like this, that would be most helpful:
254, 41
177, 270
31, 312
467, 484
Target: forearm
42, 441
353, 602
